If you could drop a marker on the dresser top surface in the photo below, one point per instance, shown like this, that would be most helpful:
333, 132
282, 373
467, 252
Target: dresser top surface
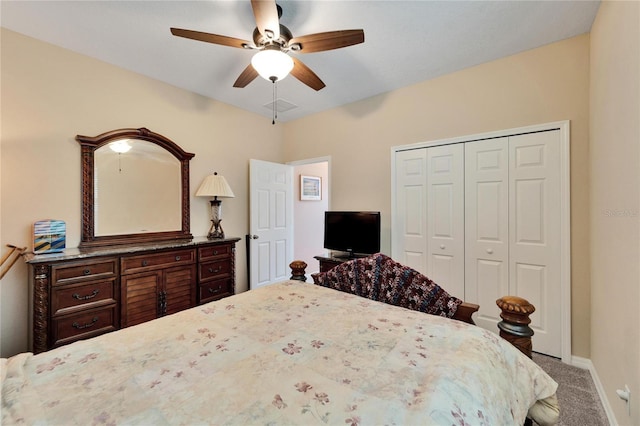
116, 250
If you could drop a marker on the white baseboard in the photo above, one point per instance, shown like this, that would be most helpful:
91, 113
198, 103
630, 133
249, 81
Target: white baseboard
586, 364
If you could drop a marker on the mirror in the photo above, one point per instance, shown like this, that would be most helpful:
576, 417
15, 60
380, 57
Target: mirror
135, 188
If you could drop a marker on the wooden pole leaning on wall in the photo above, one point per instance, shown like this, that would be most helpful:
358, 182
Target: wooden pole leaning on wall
8, 255
514, 326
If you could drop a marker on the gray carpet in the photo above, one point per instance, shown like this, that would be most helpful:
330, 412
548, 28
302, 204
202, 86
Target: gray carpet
579, 401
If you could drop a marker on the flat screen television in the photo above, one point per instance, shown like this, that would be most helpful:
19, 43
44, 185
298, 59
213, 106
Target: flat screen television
354, 233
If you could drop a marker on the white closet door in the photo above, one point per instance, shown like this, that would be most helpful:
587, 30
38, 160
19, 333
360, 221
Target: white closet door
486, 220
410, 219
487, 227
534, 222
445, 217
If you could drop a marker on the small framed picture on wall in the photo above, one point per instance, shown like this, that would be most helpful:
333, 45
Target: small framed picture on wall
310, 188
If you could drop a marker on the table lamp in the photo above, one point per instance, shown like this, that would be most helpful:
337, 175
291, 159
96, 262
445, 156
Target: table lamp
215, 186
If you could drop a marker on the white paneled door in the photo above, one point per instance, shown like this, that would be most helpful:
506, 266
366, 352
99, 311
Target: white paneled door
484, 219
534, 232
445, 217
271, 222
487, 227
410, 220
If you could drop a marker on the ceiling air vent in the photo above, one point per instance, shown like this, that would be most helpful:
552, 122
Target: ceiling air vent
280, 105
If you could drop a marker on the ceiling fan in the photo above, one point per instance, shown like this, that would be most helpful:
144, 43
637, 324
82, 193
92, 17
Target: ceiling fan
273, 41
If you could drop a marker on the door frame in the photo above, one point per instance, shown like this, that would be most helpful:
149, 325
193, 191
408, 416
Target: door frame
565, 207
292, 164
312, 268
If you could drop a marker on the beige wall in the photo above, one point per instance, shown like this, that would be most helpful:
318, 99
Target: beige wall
49, 95
615, 203
308, 216
547, 84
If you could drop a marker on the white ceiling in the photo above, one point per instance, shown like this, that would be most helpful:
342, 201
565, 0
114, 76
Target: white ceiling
405, 41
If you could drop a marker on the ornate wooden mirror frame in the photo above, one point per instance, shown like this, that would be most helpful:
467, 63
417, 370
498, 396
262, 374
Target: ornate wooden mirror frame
89, 145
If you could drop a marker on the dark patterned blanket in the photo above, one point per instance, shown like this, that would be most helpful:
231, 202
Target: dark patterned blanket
378, 277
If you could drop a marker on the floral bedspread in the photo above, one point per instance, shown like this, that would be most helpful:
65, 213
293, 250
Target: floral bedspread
289, 353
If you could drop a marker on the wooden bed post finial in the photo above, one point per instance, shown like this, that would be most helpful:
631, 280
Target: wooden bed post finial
298, 270
514, 326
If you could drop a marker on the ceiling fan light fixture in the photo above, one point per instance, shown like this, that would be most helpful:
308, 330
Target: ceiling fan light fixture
272, 63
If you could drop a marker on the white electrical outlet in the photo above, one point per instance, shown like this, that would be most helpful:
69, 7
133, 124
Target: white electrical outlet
625, 395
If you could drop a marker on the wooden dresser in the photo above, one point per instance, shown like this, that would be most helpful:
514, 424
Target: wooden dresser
81, 293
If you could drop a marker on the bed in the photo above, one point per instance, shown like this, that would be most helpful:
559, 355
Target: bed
288, 353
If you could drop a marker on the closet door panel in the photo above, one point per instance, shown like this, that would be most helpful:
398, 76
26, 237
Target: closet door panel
535, 232
409, 245
445, 217
488, 276
486, 226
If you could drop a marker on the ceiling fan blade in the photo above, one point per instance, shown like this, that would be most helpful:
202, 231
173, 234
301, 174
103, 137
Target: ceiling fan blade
211, 38
267, 20
327, 41
305, 75
246, 77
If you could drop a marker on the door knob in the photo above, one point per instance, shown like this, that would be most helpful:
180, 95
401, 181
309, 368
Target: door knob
253, 237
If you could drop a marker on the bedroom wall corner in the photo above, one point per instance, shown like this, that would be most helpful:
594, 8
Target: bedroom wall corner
615, 203
542, 85
49, 95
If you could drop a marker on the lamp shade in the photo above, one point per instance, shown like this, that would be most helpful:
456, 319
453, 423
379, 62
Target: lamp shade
214, 186
272, 64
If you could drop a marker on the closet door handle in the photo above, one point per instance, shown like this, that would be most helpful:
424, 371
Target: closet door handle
490, 250
442, 246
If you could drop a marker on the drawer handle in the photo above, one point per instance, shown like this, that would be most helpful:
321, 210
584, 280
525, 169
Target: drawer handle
177, 258
87, 325
215, 290
215, 252
86, 271
88, 296
145, 263
214, 271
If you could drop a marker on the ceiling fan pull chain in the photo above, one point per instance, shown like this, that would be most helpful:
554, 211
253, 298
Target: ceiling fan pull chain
274, 92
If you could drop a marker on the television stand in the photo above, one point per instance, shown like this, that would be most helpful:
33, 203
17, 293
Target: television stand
329, 262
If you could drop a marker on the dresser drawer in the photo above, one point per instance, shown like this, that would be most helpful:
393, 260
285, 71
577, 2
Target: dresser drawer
213, 270
215, 252
81, 271
83, 325
146, 262
82, 296
214, 290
